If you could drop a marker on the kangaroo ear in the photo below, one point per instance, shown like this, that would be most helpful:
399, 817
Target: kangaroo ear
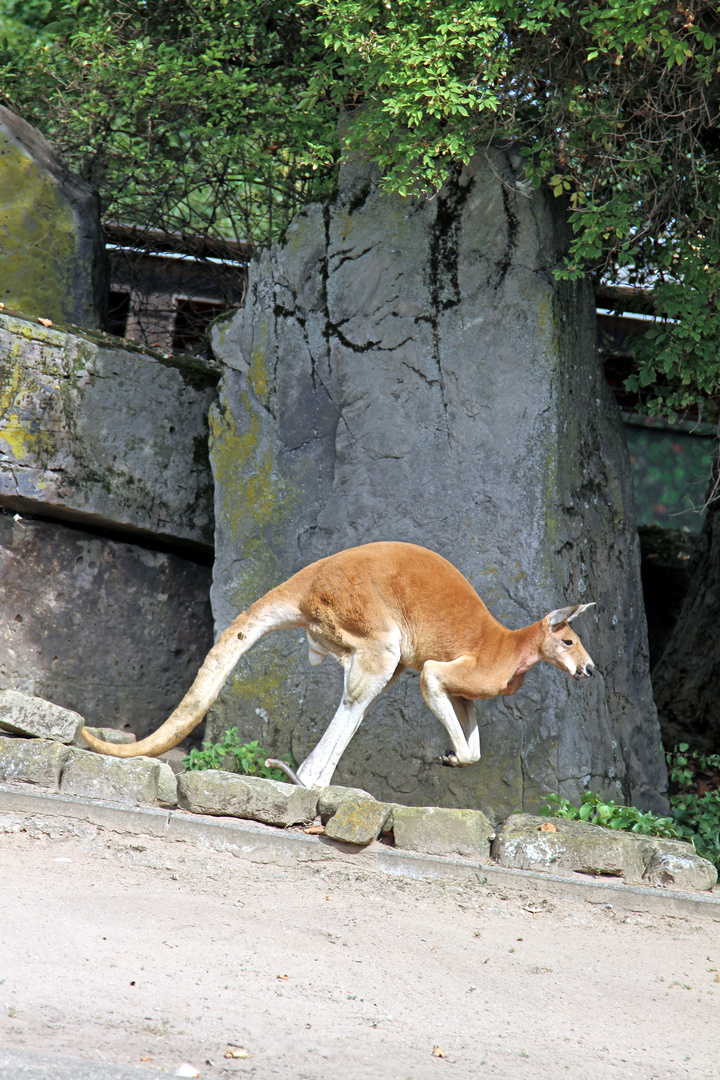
566, 614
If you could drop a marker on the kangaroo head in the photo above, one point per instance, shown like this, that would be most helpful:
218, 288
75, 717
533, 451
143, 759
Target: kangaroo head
561, 646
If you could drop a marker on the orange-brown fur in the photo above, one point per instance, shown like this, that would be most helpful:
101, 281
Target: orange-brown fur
379, 609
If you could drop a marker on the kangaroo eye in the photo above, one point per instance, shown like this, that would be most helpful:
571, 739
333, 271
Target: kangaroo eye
566, 642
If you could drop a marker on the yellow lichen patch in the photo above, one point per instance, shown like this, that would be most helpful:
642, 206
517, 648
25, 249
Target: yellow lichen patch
259, 377
37, 238
551, 497
244, 473
261, 683
546, 325
254, 503
20, 427
254, 498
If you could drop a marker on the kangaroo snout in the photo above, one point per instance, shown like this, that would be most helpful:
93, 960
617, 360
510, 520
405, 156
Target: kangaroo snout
585, 672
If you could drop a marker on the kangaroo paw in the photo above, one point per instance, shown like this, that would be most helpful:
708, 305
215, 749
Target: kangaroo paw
450, 760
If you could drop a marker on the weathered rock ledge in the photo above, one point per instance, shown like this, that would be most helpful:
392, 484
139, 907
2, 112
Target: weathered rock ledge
98, 433
354, 817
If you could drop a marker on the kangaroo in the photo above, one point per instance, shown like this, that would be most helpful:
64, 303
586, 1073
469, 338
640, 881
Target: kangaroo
379, 609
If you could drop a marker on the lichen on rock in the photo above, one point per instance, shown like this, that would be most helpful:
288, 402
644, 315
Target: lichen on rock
52, 258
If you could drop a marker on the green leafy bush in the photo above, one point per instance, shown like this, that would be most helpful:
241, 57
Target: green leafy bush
694, 805
248, 758
597, 812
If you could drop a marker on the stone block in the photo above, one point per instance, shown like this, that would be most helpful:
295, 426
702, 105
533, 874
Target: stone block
410, 369
32, 761
673, 866
105, 435
115, 631
174, 758
107, 734
524, 842
167, 794
212, 791
21, 714
435, 830
334, 794
133, 781
358, 820
52, 256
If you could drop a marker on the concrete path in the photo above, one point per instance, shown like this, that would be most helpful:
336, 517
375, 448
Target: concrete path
141, 953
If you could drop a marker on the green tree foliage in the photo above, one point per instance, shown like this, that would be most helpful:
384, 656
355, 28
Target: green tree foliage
615, 105
184, 115
219, 117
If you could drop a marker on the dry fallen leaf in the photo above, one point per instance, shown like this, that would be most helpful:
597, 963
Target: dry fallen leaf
146, 1057
314, 830
437, 1052
45, 322
283, 977
237, 1052
547, 826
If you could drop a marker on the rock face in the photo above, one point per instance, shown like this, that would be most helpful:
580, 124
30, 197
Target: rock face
104, 435
112, 630
686, 678
410, 370
52, 258
112, 735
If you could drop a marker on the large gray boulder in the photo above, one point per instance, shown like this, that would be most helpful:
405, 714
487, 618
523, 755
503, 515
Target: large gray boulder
104, 435
111, 630
409, 369
52, 256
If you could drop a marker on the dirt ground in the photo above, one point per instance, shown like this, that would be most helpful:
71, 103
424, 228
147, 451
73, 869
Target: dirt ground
149, 953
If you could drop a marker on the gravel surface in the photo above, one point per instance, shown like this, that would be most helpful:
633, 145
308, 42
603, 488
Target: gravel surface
133, 951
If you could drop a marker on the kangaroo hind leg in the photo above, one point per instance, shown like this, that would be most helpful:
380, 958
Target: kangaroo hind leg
368, 670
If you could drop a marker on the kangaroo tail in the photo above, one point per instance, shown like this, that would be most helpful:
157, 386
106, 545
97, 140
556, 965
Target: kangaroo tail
272, 612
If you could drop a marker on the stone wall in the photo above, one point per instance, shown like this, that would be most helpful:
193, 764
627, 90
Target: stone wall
106, 523
411, 370
101, 433
114, 631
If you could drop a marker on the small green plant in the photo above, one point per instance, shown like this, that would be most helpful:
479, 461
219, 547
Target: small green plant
687, 768
695, 800
694, 805
697, 818
596, 811
248, 758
